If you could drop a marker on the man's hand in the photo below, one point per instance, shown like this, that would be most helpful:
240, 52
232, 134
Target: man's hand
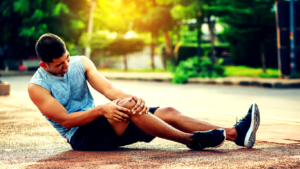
112, 111
140, 106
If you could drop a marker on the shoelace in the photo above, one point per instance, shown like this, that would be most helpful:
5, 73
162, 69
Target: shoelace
237, 122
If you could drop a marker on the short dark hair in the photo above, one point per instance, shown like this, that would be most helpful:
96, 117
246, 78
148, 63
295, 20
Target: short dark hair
49, 47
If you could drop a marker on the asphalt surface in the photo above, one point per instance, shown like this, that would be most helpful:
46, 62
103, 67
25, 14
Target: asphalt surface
29, 141
281, 104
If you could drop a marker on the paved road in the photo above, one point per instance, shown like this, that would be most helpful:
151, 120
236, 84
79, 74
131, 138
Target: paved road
29, 141
283, 104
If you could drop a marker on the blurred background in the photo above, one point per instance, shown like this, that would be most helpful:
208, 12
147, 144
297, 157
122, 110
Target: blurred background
227, 53
190, 38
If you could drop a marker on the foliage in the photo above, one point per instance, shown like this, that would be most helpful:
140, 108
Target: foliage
112, 15
23, 22
27, 20
99, 39
149, 16
197, 67
121, 46
250, 24
187, 9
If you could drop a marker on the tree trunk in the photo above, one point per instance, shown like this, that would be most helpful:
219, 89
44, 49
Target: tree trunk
125, 62
168, 48
152, 52
178, 33
90, 30
199, 18
263, 60
211, 27
152, 55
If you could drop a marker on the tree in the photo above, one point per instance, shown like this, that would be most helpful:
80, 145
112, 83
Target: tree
153, 17
112, 19
250, 25
250, 30
121, 46
189, 9
23, 22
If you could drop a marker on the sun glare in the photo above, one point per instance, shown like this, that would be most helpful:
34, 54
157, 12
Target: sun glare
130, 34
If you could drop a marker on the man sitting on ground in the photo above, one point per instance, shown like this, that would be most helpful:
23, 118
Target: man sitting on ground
59, 89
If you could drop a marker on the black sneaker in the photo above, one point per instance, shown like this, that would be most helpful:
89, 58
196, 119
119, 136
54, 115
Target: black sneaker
211, 138
246, 128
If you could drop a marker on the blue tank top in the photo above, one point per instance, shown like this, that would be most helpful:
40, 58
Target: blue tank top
71, 91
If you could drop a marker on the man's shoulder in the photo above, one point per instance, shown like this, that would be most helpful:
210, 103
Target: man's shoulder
76, 58
39, 79
78, 61
39, 75
86, 63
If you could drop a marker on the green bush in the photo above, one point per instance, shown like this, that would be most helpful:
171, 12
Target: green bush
196, 67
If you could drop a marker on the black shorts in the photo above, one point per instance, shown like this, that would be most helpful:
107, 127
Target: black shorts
99, 135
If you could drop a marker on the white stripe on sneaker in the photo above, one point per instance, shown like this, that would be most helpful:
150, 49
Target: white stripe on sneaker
249, 132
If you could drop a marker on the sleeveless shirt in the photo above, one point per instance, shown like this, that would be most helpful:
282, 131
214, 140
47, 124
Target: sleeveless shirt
71, 91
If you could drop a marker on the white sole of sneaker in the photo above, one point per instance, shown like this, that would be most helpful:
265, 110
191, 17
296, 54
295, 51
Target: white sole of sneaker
224, 134
255, 121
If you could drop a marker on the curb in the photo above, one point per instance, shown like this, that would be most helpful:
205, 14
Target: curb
16, 73
157, 77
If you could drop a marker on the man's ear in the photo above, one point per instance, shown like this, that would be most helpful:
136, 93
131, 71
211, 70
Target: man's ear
43, 64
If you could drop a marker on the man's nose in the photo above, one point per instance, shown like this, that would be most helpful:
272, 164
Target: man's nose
66, 64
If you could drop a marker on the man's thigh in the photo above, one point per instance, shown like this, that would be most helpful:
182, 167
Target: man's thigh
118, 127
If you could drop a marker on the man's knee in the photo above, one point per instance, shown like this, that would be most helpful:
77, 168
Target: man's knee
171, 111
167, 113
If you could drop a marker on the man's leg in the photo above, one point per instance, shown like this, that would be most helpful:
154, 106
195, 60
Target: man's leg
188, 124
157, 125
154, 126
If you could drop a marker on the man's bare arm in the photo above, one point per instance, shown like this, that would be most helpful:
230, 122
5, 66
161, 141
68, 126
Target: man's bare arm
100, 83
110, 91
53, 109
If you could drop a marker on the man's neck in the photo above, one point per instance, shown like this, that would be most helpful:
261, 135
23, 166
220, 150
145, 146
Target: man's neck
54, 74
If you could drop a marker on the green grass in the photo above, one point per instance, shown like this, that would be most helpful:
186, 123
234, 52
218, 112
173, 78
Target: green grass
244, 71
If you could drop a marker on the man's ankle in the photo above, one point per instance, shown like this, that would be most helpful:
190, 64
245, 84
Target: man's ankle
188, 141
231, 134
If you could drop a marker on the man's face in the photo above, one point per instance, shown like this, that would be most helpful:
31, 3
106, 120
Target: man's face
59, 66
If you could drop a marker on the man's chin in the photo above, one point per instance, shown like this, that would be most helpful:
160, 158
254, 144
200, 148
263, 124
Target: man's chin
64, 71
